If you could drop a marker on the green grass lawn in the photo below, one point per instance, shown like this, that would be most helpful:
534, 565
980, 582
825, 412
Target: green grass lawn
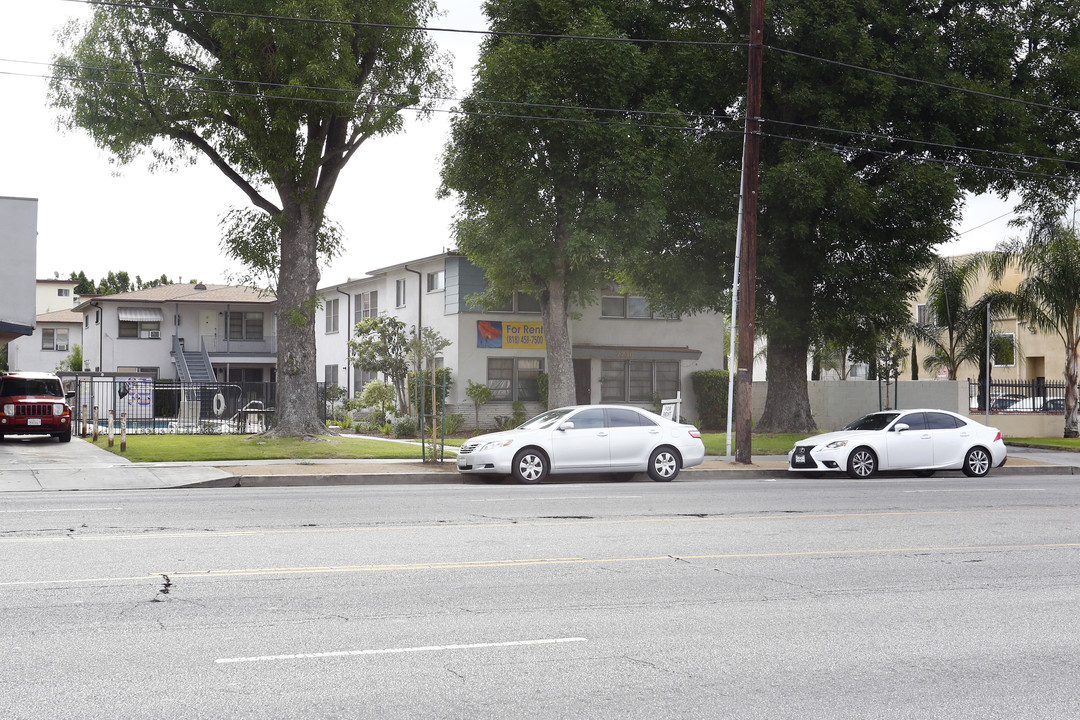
181, 448
173, 448
1063, 443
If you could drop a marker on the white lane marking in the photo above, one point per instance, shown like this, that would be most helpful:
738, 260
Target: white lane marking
563, 497
1024, 489
395, 651
92, 509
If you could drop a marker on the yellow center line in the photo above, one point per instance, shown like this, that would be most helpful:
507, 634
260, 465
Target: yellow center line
528, 523
532, 562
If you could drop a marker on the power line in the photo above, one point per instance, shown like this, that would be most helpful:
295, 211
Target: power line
944, 146
316, 88
349, 103
412, 28
931, 83
904, 156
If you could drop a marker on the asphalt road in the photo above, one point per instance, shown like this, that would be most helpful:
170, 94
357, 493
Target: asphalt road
793, 598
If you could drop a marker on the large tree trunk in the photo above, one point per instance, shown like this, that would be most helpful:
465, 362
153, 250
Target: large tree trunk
787, 401
555, 309
297, 389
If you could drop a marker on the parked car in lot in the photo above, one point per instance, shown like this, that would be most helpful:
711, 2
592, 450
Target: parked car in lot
923, 441
585, 439
34, 403
1036, 404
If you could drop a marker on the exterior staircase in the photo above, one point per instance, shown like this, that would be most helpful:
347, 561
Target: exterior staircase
193, 366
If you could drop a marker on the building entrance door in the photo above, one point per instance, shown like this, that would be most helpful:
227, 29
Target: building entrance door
583, 381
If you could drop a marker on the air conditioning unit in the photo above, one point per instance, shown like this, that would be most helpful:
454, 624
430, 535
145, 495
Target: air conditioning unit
62, 346
154, 334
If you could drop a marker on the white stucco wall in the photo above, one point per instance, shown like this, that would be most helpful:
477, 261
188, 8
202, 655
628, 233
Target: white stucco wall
26, 353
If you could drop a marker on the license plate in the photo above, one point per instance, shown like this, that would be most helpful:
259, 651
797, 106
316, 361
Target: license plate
33, 421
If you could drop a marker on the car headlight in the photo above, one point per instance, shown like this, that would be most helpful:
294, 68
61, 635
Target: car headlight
9, 409
836, 444
494, 444
58, 409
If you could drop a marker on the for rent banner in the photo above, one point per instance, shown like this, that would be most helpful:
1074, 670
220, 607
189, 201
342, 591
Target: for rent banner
509, 335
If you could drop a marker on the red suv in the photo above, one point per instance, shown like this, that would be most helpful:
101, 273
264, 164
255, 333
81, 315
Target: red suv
33, 403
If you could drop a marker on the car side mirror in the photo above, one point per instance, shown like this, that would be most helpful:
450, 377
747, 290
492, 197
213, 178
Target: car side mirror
568, 425
69, 394
901, 427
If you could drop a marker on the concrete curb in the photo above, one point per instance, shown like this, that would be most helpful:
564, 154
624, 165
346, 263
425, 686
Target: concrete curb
445, 478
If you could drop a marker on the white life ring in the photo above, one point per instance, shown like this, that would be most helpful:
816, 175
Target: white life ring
219, 404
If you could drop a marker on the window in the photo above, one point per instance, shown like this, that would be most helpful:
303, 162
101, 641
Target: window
244, 325
436, 280
619, 417
924, 315
638, 380
515, 378
63, 292
591, 419
367, 305
941, 421
518, 302
54, 339
362, 378
143, 329
629, 306
330, 375
86, 320
1004, 349
151, 372
400, 291
332, 315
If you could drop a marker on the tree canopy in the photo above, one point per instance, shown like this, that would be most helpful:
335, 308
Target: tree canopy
279, 95
875, 121
555, 160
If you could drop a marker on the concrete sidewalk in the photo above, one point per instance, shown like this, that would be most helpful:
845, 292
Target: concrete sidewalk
84, 466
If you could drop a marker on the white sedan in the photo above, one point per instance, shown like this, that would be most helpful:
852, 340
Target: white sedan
585, 439
922, 441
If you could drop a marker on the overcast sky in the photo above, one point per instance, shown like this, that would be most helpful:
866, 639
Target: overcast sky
96, 217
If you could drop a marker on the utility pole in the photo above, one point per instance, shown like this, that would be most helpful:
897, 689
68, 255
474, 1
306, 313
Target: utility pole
748, 259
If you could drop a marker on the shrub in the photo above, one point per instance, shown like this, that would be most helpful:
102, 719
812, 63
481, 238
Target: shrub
453, 423
480, 394
711, 390
403, 426
519, 413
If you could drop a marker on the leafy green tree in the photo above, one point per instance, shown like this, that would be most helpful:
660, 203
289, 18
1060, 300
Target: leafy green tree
378, 394
1048, 296
551, 189
424, 349
73, 361
863, 173
278, 104
3, 357
380, 345
480, 394
85, 285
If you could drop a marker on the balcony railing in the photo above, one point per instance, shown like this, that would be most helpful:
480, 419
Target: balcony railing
216, 345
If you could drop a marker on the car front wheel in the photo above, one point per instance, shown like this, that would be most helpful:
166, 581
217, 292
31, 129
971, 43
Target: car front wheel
663, 465
530, 466
977, 462
862, 463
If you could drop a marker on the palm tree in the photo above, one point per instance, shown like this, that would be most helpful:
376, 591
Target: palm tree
1048, 296
953, 329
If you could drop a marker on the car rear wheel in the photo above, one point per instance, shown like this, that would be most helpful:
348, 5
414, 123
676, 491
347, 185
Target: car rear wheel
530, 466
663, 464
977, 462
862, 463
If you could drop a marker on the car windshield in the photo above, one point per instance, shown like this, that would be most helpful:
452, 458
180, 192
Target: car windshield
48, 387
873, 421
546, 420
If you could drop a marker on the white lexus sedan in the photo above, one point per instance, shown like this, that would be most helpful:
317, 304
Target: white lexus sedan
921, 441
585, 439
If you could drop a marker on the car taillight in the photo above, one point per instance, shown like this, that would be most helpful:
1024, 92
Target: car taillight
696, 434
998, 436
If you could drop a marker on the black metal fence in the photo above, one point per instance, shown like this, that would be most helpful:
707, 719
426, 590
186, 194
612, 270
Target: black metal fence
152, 406
1018, 396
